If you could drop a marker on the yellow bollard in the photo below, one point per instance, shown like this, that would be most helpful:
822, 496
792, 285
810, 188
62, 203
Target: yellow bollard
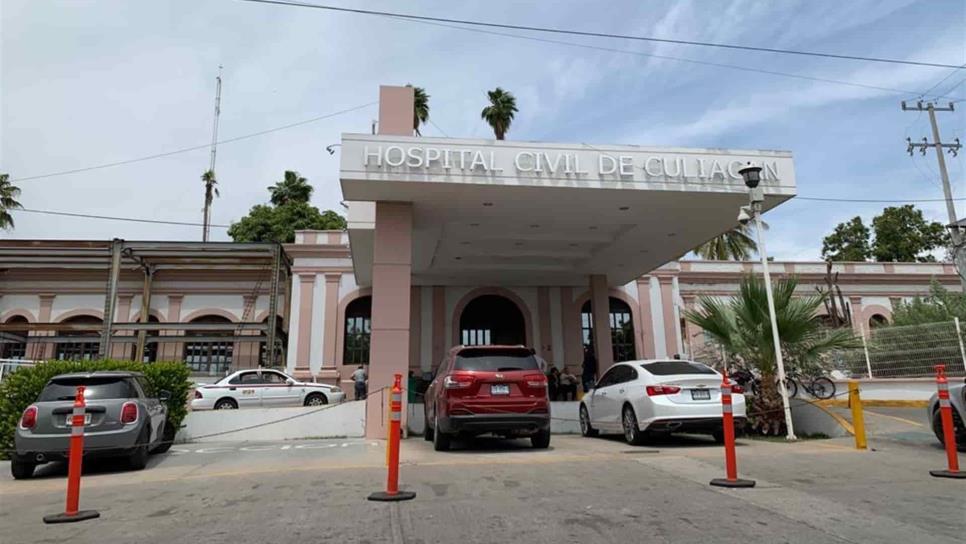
858, 420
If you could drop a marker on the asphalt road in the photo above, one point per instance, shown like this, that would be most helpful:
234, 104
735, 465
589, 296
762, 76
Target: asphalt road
580, 490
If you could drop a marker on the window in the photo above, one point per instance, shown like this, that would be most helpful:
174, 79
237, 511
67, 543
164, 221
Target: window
87, 345
96, 389
273, 378
245, 378
621, 329
358, 331
150, 353
624, 374
210, 357
12, 348
490, 360
146, 386
668, 368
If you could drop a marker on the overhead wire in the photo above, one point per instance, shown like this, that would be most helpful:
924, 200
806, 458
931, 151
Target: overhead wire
584, 33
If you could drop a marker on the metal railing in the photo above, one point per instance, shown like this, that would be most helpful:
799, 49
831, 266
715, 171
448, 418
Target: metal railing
7, 366
910, 351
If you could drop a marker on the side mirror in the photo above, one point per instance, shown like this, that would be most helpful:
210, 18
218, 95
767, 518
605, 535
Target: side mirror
290, 381
164, 396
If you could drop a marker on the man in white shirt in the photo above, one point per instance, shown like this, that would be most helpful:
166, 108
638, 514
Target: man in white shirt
359, 377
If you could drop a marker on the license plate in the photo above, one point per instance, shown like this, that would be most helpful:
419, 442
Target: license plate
700, 394
70, 420
500, 389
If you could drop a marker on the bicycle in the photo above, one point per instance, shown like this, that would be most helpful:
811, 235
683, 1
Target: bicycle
820, 387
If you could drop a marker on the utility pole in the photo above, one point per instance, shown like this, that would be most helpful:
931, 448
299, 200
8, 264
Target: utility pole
956, 235
206, 228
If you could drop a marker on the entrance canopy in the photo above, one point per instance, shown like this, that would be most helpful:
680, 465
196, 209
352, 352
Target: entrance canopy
491, 212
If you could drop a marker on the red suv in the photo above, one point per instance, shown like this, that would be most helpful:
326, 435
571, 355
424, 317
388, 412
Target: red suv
488, 389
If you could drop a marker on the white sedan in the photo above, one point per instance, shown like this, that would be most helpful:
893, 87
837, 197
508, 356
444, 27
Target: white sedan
657, 396
263, 388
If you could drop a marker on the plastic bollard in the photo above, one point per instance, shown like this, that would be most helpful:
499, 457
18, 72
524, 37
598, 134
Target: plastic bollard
949, 435
728, 424
392, 492
75, 457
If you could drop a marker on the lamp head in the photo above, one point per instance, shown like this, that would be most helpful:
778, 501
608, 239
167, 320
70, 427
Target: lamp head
751, 174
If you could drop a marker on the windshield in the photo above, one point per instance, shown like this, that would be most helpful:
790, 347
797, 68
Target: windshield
667, 368
96, 389
495, 360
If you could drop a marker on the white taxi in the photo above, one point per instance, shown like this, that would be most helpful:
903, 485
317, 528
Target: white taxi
263, 388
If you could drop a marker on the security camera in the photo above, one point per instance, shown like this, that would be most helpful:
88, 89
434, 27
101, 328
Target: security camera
330, 149
744, 215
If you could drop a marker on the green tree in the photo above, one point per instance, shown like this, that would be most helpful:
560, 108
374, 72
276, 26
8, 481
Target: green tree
288, 212
737, 244
848, 242
940, 305
902, 234
8, 201
420, 108
742, 327
293, 188
211, 191
499, 114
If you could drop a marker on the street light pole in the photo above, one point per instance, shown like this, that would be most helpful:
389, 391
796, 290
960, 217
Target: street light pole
756, 210
756, 195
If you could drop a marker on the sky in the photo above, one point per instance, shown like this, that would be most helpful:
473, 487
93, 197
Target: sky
84, 83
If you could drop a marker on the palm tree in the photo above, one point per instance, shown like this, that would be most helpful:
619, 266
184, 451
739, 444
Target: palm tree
420, 107
8, 201
735, 245
499, 114
743, 328
293, 188
210, 193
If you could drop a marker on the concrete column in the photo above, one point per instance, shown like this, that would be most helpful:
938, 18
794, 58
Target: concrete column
123, 350
303, 349
173, 351
667, 307
600, 311
331, 320
439, 325
391, 293
543, 319
43, 351
415, 330
859, 326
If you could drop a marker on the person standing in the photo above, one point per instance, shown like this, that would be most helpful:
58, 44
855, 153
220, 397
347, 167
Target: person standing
359, 378
589, 376
553, 383
568, 386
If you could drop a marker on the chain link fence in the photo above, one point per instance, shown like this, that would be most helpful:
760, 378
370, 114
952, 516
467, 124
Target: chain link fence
910, 351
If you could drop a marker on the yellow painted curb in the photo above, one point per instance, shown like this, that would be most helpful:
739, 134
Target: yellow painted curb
842, 403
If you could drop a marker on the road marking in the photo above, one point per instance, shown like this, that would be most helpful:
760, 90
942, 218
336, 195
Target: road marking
897, 418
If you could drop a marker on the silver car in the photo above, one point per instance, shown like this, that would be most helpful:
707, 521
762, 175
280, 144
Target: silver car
957, 398
124, 417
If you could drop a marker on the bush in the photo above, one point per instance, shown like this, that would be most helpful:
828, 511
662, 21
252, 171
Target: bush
21, 388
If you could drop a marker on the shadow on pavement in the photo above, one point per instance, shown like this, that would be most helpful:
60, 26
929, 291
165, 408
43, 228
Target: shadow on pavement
493, 444
94, 466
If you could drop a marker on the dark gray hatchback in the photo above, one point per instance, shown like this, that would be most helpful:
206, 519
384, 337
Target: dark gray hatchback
124, 417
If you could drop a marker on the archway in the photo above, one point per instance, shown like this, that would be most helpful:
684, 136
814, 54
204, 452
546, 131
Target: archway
10, 348
621, 329
492, 320
206, 355
358, 331
87, 346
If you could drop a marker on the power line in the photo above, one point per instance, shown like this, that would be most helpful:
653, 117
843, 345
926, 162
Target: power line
604, 34
115, 218
925, 93
194, 148
687, 60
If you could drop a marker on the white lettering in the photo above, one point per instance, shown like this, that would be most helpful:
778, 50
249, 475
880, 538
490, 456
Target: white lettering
377, 154
463, 154
415, 157
577, 169
389, 159
493, 163
447, 155
667, 170
733, 168
771, 171
609, 169
702, 173
716, 169
520, 166
432, 154
478, 161
647, 166
684, 168
627, 165
553, 166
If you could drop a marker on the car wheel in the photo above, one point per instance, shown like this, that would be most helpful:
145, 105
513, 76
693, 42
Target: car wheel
441, 440
427, 431
541, 440
167, 438
316, 399
959, 430
226, 404
21, 470
632, 434
139, 456
585, 428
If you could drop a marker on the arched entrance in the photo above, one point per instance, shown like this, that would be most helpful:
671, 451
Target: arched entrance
492, 319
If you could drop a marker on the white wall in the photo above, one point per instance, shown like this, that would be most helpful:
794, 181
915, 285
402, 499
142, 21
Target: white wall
27, 302
334, 421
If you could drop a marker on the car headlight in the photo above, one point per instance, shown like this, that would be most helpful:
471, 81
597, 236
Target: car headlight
336, 389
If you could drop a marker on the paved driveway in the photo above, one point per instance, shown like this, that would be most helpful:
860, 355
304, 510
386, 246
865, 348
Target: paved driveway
580, 490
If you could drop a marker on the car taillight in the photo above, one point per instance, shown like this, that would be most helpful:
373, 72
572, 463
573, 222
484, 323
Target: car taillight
735, 388
536, 380
198, 394
457, 382
655, 390
29, 418
129, 412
